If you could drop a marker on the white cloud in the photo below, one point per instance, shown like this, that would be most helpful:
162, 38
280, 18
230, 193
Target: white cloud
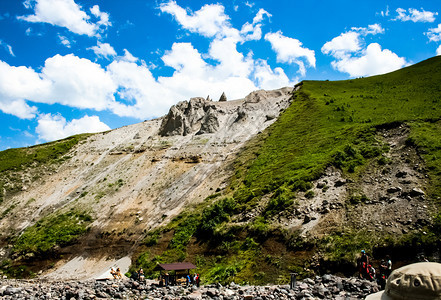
253, 31
77, 82
353, 58
18, 84
65, 13
103, 50
434, 34
415, 15
7, 47
290, 50
209, 21
126, 86
64, 41
341, 45
18, 108
372, 61
129, 57
385, 13
103, 17
438, 50
271, 79
55, 127
232, 62
371, 29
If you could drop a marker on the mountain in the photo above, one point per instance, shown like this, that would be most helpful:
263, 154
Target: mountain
92, 198
248, 190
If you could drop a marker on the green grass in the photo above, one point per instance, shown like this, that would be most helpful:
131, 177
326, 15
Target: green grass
327, 124
335, 123
18, 158
52, 231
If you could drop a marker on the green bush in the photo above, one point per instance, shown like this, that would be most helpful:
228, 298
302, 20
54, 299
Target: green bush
46, 234
214, 215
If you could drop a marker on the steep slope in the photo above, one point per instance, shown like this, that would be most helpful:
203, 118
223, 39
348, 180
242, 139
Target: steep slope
94, 202
350, 165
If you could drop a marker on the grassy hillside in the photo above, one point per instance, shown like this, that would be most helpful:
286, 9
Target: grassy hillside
15, 161
328, 124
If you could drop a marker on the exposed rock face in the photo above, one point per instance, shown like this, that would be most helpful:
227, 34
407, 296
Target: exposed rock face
201, 116
184, 117
135, 178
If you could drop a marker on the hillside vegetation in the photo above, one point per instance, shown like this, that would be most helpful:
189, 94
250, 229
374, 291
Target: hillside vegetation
328, 125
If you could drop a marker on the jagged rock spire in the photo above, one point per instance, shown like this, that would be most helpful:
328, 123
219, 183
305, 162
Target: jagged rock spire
223, 97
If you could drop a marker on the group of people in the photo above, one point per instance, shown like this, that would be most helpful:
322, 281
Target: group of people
138, 275
367, 271
192, 280
116, 273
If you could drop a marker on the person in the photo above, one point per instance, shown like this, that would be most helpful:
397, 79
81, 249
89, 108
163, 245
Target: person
166, 279
382, 274
420, 280
188, 280
141, 276
118, 273
113, 273
389, 265
370, 273
197, 280
363, 262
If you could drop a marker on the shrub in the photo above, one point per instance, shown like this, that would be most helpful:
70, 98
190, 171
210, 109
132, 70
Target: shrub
214, 215
52, 231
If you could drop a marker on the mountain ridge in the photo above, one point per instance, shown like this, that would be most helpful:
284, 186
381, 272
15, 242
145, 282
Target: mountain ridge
275, 183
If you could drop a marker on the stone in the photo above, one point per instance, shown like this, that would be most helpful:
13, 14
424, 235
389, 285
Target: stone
394, 189
401, 174
416, 192
340, 182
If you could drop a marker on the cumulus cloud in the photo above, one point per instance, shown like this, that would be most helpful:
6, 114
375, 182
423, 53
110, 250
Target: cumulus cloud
66, 13
343, 44
67, 80
434, 34
372, 61
290, 50
55, 127
415, 15
253, 31
271, 79
103, 50
77, 82
18, 84
127, 87
352, 57
438, 50
209, 21
103, 17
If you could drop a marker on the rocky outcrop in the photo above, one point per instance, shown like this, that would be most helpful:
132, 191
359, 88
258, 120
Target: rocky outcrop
203, 116
184, 118
223, 97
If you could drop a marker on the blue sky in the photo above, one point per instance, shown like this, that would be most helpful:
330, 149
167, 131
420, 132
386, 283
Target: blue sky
74, 66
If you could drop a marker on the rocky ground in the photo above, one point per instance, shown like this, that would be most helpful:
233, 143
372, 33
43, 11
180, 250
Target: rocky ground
324, 287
